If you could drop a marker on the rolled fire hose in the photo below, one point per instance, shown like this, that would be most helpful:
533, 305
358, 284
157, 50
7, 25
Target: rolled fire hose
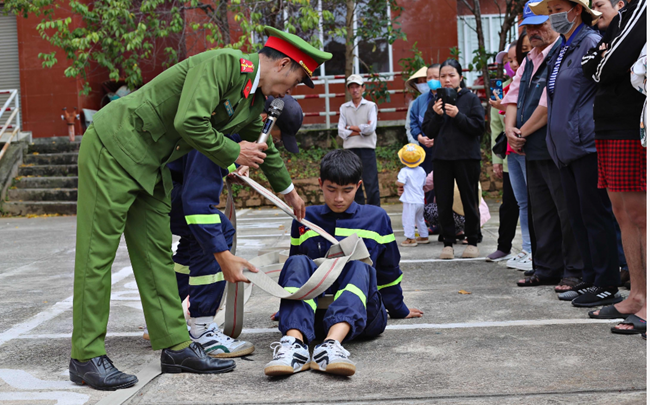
270, 265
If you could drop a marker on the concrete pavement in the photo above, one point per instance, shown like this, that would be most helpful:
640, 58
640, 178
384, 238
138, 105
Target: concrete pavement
501, 344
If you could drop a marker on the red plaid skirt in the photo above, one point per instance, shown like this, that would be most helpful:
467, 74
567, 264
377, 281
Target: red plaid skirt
621, 165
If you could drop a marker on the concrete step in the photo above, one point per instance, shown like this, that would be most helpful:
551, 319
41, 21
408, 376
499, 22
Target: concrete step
54, 145
42, 194
39, 207
67, 158
46, 182
48, 170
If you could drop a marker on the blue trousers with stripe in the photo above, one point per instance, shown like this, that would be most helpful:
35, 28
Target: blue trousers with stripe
357, 282
204, 284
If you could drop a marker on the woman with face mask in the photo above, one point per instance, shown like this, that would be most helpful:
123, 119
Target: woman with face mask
571, 143
456, 122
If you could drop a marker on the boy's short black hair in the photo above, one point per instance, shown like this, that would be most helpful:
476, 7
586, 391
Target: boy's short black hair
341, 167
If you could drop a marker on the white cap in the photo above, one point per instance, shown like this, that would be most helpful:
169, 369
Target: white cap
499, 58
354, 79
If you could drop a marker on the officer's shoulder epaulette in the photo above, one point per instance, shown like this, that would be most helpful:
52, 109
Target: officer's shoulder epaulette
246, 66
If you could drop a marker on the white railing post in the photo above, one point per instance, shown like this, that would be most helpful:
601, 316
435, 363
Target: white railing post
327, 102
18, 126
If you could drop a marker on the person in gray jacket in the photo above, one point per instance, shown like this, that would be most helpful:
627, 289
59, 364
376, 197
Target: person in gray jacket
571, 143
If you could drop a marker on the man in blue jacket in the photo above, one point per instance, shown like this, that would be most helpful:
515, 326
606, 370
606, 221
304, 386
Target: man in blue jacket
571, 143
362, 293
417, 111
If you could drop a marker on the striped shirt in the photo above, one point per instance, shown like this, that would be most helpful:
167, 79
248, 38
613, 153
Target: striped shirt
550, 86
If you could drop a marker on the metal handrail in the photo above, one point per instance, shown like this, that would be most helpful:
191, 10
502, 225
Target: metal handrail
15, 113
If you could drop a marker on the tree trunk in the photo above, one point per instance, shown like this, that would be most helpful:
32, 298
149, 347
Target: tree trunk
349, 41
222, 15
481, 46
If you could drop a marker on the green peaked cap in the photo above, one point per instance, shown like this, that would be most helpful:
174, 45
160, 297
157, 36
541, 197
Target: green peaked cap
296, 48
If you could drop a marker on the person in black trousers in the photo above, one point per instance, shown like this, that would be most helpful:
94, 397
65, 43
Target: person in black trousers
457, 127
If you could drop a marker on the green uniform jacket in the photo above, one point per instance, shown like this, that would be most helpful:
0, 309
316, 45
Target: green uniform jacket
189, 106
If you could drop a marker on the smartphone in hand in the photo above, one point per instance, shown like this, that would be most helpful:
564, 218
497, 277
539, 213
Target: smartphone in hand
496, 84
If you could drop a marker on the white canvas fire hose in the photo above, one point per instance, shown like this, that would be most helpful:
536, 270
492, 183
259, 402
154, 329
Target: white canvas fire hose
270, 264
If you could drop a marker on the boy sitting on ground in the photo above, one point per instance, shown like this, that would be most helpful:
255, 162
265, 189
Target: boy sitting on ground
362, 293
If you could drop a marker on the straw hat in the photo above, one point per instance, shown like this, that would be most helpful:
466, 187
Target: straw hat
541, 8
415, 76
411, 155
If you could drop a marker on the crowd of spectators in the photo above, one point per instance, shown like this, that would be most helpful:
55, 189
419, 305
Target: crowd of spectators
570, 116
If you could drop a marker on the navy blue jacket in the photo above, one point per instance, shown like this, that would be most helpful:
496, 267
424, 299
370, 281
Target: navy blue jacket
198, 183
418, 109
373, 225
571, 132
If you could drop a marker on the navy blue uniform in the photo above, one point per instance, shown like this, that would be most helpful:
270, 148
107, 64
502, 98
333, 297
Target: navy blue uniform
204, 230
362, 293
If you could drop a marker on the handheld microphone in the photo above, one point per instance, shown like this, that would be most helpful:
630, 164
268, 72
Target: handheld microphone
275, 109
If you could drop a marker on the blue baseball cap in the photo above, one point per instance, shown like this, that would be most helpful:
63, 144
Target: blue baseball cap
531, 18
289, 122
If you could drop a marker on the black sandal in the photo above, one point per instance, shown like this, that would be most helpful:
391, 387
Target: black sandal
638, 323
608, 312
536, 280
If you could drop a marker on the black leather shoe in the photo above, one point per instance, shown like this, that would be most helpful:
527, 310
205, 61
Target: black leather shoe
193, 359
101, 374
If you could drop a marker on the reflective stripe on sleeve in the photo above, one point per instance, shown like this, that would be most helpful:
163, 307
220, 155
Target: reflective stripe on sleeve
382, 239
311, 302
179, 268
232, 168
206, 280
399, 280
354, 290
303, 237
202, 219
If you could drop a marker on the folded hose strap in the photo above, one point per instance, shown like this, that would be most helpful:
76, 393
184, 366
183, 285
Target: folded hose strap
329, 267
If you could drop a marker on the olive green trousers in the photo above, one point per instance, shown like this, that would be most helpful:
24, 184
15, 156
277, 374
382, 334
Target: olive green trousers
111, 203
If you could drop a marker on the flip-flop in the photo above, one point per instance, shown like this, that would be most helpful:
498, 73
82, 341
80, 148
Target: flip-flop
638, 323
608, 312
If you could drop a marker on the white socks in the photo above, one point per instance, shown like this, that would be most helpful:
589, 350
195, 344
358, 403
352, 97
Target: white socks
200, 325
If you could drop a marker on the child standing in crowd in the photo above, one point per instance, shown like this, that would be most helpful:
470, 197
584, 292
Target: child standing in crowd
412, 178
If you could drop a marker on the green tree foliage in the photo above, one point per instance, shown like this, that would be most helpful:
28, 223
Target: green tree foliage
122, 35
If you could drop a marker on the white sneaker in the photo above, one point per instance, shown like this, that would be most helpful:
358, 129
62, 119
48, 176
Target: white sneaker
289, 356
512, 262
217, 344
524, 264
332, 358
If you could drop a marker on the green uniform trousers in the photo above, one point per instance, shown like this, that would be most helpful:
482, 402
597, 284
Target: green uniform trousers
112, 203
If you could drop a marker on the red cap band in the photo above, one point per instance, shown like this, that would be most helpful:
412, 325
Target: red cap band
294, 53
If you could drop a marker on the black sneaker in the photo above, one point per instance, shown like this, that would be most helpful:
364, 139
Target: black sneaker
597, 296
575, 292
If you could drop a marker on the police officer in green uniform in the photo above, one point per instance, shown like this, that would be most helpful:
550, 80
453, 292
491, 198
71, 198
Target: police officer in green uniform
124, 188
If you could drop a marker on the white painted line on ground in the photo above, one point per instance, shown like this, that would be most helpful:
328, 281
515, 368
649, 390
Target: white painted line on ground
22, 380
441, 260
242, 212
54, 311
468, 325
61, 397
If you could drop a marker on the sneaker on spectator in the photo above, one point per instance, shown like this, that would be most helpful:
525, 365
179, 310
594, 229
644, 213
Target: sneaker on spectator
423, 241
597, 296
515, 260
524, 264
447, 253
409, 243
290, 356
497, 256
471, 251
332, 358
